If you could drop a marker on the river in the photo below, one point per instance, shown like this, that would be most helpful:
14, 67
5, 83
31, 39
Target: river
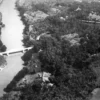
11, 37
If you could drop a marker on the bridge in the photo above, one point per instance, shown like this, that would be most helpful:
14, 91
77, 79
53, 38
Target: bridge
13, 51
89, 21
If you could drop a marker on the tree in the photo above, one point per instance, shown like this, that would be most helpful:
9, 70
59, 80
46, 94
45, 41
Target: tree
3, 48
27, 56
2, 61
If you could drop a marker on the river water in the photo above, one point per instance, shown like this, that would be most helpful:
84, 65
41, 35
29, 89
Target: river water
11, 37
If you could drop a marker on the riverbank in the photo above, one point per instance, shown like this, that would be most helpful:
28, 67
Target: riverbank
3, 62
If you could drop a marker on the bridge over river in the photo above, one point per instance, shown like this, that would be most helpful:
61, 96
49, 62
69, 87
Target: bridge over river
14, 51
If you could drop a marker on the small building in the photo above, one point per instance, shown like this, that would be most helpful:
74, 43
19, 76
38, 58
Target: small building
45, 76
78, 9
62, 18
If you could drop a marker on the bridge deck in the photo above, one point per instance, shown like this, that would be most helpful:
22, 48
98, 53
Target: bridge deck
15, 51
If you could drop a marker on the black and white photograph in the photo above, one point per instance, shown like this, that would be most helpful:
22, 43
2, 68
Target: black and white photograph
49, 49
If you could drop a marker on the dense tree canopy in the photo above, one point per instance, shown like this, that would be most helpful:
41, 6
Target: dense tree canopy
69, 65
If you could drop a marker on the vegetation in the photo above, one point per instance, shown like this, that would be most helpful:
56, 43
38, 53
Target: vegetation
73, 67
2, 47
85, 9
69, 65
42, 7
2, 61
